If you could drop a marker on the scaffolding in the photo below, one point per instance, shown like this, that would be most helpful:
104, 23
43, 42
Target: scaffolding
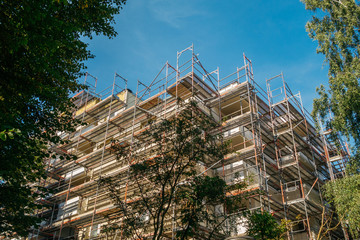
274, 147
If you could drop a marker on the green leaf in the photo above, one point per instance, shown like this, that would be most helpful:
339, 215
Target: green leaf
10, 135
3, 136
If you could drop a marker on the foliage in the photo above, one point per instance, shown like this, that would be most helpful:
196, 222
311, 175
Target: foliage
344, 194
41, 58
262, 225
335, 25
336, 28
167, 184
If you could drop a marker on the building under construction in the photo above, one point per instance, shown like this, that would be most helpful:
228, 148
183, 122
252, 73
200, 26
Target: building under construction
273, 140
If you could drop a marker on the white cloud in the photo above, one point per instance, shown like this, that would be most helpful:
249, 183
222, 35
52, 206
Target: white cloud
174, 12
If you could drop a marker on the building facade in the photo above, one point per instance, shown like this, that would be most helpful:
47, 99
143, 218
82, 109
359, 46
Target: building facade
275, 148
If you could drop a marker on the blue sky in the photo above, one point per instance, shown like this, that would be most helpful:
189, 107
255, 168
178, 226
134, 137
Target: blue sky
270, 32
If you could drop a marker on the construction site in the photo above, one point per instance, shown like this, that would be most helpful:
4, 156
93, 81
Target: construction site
275, 148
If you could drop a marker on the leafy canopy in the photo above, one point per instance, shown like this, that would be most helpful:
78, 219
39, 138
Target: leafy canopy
263, 226
167, 186
335, 26
344, 194
42, 56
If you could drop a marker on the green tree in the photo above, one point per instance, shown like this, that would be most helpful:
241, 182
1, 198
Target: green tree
42, 56
167, 186
263, 226
344, 195
335, 25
